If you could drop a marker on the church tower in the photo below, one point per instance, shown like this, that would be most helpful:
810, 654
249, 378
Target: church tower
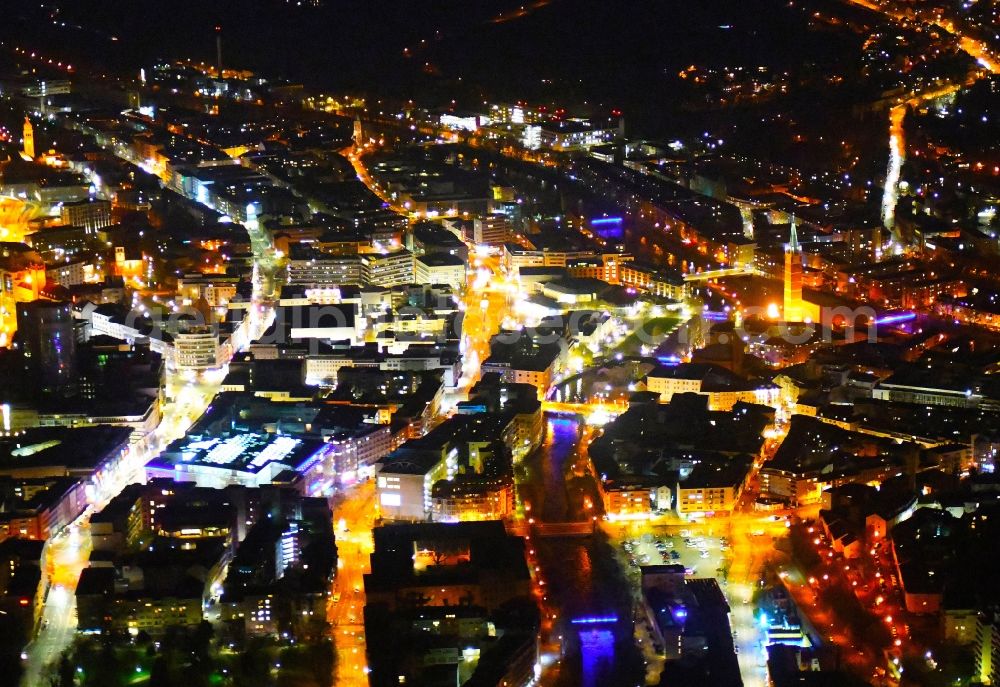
793, 278
29, 139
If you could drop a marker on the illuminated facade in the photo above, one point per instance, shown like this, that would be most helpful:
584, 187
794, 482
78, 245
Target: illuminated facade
707, 499
723, 388
92, 214
649, 278
22, 277
479, 500
987, 649
492, 230
216, 289
389, 269
404, 486
792, 487
625, 499
440, 268
41, 507
197, 348
154, 615
571, 134
320, 269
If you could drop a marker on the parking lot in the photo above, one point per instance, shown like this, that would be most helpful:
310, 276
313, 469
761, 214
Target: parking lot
701, 556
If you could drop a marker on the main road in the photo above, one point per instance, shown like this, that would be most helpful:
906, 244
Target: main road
354, 519
67, 553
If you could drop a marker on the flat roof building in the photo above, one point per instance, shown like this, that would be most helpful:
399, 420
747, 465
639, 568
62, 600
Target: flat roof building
249, 459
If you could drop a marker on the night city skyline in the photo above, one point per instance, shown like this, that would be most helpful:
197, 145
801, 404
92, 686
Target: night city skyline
357, 343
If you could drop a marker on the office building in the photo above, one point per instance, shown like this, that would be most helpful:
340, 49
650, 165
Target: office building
390, 269
440, 268
492, 230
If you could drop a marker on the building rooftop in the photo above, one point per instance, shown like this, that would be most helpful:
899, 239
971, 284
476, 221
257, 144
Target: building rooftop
441, 260
717, 474
466, 548
245, 452
60, 450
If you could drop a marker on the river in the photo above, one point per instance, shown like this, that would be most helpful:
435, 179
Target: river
582, 574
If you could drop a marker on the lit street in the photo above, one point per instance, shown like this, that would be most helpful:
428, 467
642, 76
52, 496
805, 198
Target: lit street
353, 518
67, 554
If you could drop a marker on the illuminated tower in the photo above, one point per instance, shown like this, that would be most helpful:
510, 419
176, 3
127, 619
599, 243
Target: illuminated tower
29, 139
358, 132
218, 51
793, 278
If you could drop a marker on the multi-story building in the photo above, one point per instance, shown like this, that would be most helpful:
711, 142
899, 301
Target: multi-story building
21, 591
524, 362
93, 214
633, 497
959, 625
216, 289
987, 649
166, 546
925, 389
440, 268
331, 322
151, 593
91, 454
312, 268
689, 619
65, 240
430, 592
723, 388
473, 500
608, 267
70, 273
713, 486
40, 507
916, 549
481, 562
656, 281
404, 485
571, 134
22, 278
816, 455
466, 461
354, 454
255, 594
114, 384
389, 269
516, 256
429, 237
492, 230
196, 348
